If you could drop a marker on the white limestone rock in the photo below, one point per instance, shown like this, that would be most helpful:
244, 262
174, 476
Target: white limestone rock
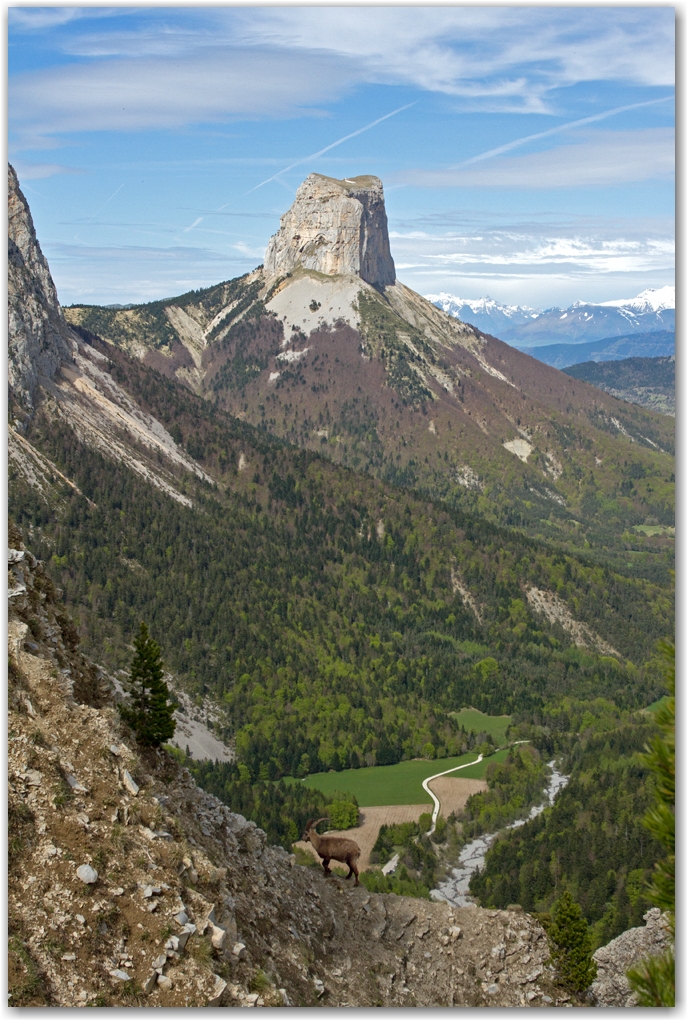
611, 987
87, 874
335, 227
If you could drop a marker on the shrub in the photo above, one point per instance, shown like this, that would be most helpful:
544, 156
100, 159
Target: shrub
343, 814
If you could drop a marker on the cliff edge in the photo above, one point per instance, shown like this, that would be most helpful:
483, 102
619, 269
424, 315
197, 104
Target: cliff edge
39, 338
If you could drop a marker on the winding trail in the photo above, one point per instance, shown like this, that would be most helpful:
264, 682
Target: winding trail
428, 780
437, 804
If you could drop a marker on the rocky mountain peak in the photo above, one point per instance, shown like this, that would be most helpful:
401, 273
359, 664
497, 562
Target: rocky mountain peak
39, 338
335, 227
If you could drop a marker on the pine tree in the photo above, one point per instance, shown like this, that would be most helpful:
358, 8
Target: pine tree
653, 980
572, 942
150, 711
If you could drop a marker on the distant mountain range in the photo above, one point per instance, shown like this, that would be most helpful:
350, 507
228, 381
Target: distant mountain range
634, 345
524, 327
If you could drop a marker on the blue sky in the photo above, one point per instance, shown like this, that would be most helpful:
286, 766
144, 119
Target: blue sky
528, 155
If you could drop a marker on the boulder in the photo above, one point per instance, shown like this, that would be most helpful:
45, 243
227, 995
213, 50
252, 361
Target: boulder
611, 987
87, 874
217, 992
129, 783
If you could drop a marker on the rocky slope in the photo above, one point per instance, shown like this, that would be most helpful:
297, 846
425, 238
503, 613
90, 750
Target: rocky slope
39, 338
130, 886
611, 987
324, 347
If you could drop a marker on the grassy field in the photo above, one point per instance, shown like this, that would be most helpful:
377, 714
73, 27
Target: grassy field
479, 771
654, 707
494, 725
388, 784
654, 529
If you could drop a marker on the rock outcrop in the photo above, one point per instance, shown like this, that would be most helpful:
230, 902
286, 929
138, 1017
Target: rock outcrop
337, 228
39, 338
611, 987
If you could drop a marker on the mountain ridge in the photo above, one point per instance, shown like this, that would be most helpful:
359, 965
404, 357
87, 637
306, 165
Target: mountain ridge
583, 321
379, 379
634, 345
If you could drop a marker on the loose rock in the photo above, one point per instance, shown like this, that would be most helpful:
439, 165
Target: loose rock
87, 874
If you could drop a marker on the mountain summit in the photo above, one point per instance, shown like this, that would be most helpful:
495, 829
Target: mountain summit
325, 348
338, 228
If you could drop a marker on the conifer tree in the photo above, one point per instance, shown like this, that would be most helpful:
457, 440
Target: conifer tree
572, 942
150, 712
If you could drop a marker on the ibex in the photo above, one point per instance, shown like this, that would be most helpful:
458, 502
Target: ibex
333, 848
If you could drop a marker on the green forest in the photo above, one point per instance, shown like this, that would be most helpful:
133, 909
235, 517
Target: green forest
592, 841
317, 606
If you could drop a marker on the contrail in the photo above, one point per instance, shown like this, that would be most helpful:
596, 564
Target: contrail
109, 200
556, 130
333, 145
194, 224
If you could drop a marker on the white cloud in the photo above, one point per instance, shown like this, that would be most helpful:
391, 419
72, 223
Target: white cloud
514, 52
577, 248
37, 171
177, 66
603, 158
167, 93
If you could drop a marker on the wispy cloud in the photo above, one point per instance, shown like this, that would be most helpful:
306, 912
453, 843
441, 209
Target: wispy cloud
177, 66
37, 171
135, 94
507, 54
603, 159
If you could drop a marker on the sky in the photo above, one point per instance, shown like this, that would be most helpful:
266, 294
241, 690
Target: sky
527, 153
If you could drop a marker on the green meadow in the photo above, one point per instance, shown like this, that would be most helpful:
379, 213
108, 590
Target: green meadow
494, 725
388, 784
479, 770
654, 707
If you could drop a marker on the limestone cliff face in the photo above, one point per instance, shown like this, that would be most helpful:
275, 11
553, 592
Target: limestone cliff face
39, 337
337, 228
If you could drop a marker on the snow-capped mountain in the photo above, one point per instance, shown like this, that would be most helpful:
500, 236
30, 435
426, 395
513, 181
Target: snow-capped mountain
487, 314
523, 327
648, 301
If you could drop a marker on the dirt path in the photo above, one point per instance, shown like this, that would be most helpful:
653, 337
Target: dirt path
453, 792
371, 820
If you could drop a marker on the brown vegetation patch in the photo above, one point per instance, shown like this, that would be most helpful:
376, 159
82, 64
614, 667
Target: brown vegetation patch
453, 792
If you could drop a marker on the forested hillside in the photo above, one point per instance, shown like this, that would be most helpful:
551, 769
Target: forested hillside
649, 382
337, 619
592, 841
390, 386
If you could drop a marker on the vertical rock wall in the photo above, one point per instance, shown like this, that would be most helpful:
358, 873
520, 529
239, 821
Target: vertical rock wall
39, 337
335, 228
